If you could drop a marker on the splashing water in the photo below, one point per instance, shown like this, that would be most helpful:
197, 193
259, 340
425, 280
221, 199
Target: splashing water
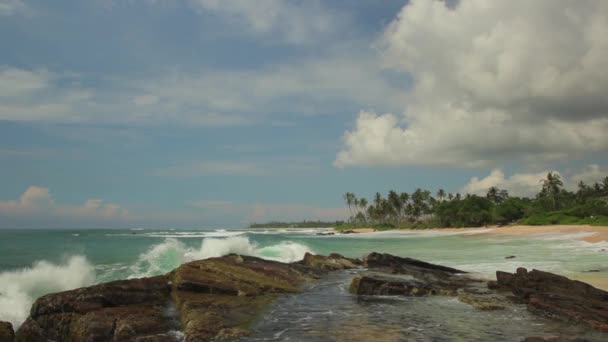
19, 289
171, 253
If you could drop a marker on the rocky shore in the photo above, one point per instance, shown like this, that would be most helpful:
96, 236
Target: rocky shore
219, 298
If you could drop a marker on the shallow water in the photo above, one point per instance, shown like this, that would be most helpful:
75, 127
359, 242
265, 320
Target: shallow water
36, 262
327, 312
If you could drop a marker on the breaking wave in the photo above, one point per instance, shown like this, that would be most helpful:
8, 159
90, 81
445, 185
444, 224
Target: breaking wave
171, 253
19, 288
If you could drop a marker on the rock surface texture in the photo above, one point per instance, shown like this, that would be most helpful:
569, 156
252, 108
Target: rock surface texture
219, 298
392, 275
202, 300
557, 296
6, 332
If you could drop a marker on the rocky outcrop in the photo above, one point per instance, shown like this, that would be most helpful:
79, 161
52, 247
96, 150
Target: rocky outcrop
119, 310
6, 332
205, 299
219, 297
332, 262
483, 299
392, 275
557, 296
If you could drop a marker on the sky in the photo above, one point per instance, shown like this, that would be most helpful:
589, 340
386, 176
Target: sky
220, 113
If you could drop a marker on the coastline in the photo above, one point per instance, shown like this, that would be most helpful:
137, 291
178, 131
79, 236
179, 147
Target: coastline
596, 233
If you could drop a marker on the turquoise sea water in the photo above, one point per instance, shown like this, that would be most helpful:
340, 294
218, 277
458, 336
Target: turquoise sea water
36, 262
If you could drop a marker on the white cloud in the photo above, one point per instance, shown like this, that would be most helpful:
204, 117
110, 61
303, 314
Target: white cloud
264, 212
220, 97
529, 184
520, 184
10, 7
37, 204
292, 21
590, 174
523, 80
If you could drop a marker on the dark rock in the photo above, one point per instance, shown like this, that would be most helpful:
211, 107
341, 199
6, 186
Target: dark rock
6, 332
404, 265
558, 297
219, 297
483, 300
510, 257
332, 262
552, 339
392, 275
206, 299
122, 310
591, 271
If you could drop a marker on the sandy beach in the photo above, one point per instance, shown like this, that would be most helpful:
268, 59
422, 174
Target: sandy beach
596, 233
599, 233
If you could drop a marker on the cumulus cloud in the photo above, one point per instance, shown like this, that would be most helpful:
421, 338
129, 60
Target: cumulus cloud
295, 22
264, 212
492, 81
37, 205
529, 184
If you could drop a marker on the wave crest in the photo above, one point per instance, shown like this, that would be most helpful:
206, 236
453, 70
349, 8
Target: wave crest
19, 288
171, 253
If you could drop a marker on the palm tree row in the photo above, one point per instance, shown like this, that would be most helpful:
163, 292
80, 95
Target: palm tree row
497, 206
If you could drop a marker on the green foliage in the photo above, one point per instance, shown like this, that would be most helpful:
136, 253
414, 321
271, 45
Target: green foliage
420, 210
472, 211
510, 210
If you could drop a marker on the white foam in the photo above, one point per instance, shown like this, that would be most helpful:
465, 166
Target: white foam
171, 253
409, 234
19, 288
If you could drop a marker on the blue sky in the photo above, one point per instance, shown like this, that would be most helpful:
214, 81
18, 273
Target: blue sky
198, 113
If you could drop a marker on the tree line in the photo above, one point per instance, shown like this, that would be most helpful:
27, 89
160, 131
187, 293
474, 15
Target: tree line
553, 204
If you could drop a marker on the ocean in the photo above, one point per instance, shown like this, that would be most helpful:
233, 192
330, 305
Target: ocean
36, 262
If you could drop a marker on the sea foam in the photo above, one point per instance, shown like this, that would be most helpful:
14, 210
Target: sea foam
19, 288
171, 253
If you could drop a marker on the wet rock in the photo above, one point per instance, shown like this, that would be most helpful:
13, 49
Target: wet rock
219, 297
392, 275
483, 300
6, 332
373, 283
332, 262
552, 339
405, 265
557, 296
591, 271
120, 310
206, 299
510, 257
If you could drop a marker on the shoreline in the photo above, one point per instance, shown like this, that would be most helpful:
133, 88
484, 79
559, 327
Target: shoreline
596, 233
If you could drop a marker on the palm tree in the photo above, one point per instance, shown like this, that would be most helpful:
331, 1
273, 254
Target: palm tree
552, 187
349, 198
441, 195
394, 200
492, 194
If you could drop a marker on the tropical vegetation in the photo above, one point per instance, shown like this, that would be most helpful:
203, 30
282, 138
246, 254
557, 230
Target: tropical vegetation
553, 204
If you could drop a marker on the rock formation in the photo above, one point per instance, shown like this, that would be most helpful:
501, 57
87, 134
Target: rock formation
556, 296
219, 298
